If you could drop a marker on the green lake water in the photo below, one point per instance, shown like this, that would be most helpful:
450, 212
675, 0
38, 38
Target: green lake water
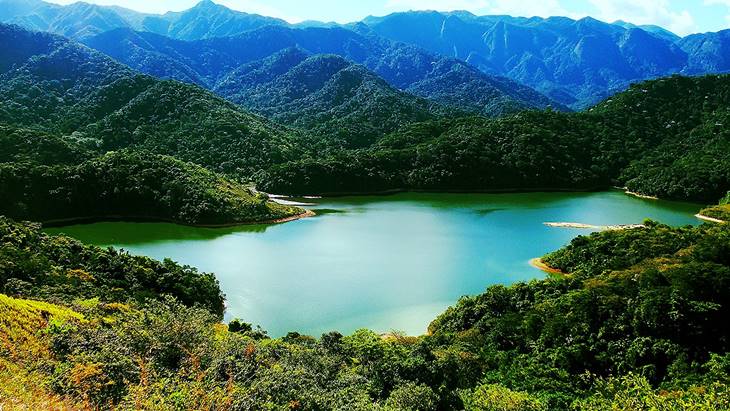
384, 263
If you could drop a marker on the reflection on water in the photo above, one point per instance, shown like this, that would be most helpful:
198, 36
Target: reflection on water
383, 263
121, 234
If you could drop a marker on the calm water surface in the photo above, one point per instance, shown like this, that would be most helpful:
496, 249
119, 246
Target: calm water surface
384, 263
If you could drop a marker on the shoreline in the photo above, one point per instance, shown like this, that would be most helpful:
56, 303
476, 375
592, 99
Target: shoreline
540, 265
641, 196
581, 226
710, 219
394, 191
65, 222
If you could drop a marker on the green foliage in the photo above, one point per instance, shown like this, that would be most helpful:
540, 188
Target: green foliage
343, 105
634, 393
662, 137
60, 269
633, 303
412, 397
720, 212
131, 185
498, 398
656, 310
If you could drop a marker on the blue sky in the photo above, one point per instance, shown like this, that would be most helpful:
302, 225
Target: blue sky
681, 16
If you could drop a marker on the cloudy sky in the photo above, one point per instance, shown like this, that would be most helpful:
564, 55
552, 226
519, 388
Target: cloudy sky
681, 16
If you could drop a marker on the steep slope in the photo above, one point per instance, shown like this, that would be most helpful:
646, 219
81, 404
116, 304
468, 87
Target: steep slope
23, 343
575, 62
206, 20
44, 75
459, 85
405, 67
709, 52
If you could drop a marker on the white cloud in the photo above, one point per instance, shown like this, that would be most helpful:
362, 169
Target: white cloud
725, 3
528, 8
258, 7
647, 12
438, 5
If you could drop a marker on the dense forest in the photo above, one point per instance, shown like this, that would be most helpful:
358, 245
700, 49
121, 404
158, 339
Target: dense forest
339, 102
664, 137
132, 185
637, 322
84, 137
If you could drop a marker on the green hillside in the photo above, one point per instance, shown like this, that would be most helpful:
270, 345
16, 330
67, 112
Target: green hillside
664, 137
343, 105
131, 185
67, 108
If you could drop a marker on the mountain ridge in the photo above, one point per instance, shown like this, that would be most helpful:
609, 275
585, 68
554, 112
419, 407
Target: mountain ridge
574, 62
403, 66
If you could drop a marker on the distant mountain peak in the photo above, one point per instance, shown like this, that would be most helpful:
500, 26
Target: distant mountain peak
206, 5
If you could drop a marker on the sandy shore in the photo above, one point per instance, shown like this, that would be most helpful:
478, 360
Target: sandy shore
710, 219
540, 265
639, 195
305, 214
596, 227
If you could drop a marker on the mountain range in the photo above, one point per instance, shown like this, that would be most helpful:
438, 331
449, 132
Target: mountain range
575, 63
80, 20
209, 62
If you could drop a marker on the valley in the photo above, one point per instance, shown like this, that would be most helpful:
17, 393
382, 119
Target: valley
444, 231
430, 249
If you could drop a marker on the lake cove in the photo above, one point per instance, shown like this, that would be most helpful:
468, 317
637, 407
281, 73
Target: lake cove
385, 263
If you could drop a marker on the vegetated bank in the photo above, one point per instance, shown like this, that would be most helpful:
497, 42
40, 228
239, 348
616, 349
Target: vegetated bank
639, 320
719, 213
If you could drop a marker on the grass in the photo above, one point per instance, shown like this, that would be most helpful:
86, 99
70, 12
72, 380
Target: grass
22, 347
22, 323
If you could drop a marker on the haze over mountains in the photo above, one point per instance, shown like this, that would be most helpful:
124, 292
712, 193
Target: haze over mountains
209, 62
574, 63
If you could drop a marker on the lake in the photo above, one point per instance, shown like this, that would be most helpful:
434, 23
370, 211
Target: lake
385, 263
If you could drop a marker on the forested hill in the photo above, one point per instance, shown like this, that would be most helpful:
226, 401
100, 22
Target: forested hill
68, 89
63, 104
345, 103
128, 185
81, 20
665, 137
405, 67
